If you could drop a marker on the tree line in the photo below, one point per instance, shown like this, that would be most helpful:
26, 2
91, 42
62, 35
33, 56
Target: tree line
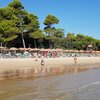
19, 28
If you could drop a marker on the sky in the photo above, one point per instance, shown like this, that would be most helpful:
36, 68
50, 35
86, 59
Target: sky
76, 16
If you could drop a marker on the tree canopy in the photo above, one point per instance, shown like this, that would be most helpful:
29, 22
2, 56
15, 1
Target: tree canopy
18, 25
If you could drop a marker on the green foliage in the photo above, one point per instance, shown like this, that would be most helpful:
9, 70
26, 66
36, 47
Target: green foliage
50, 20
16, 4
7, 13
52, 32
79, 41
7, 39
32, 23
38, 34
8, 30
14, 20
59, 33
70, 36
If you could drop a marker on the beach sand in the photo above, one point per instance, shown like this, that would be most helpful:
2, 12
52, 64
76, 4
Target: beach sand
18, 63
9, 66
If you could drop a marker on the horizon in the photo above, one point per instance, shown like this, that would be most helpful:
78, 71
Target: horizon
75, 16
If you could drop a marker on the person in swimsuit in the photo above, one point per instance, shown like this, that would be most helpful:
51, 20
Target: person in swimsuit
42, 60
42, 64
75, 59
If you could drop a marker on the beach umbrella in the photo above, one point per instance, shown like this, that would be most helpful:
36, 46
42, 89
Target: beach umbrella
29, 49
98, 52
2, 47
42, 49
71, 50
52, 50
36, 49
33, 49
82, 51
13, 49
76, 51
58, 49
90, 46
23, 49
93, 51
87, 51
65, 50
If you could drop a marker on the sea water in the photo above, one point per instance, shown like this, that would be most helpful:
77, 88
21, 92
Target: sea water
66, 86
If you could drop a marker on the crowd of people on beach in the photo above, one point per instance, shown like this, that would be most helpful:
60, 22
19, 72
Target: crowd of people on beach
46, 54
42, 61
41, 57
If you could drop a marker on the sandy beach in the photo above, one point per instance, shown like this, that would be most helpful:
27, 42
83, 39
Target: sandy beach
19, 63
28, 66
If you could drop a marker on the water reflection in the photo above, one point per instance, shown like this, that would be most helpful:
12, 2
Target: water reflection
38, 72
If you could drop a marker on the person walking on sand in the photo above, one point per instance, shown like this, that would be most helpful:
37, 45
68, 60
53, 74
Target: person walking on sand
42, 60
36, 56
75, 59
42, 63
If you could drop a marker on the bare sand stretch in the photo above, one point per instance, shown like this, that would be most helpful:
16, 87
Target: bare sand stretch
20, 63
25, 67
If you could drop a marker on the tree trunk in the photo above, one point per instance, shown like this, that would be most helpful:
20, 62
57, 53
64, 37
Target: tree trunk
23, 40
34, 43
1, 44
49, 44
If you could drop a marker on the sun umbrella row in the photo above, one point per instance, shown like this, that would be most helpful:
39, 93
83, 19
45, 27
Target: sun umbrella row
27, 49
48, 50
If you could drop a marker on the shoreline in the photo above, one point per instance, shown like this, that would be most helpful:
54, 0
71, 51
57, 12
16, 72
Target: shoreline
12, 68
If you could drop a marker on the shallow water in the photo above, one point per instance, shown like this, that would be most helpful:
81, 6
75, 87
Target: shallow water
67, 86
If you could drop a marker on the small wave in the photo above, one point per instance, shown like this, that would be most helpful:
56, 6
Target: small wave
87, 92
91, 84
